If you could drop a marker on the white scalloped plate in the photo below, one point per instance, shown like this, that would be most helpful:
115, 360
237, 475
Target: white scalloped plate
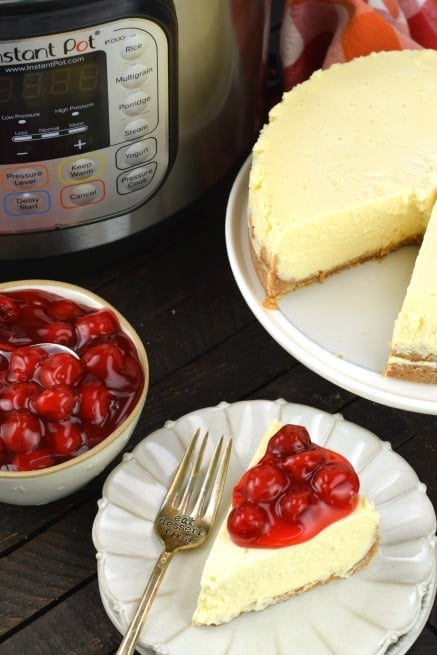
340, 329
381, 609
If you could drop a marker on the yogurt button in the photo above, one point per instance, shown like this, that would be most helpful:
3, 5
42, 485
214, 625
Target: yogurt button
136, 153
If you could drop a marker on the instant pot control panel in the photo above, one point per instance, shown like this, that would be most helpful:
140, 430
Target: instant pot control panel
84, 124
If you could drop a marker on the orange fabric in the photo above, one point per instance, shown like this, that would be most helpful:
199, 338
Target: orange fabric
318, 33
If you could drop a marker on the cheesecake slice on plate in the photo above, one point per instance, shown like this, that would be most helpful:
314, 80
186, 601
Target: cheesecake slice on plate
297, 519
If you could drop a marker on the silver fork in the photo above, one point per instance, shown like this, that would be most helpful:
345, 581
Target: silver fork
184, 521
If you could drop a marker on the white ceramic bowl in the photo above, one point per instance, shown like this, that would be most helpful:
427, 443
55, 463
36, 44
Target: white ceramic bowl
46, 485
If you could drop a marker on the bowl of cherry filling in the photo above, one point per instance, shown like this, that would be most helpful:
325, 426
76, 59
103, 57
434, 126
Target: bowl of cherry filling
64, 416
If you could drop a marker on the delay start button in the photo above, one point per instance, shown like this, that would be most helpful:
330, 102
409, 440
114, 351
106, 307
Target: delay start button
83, 194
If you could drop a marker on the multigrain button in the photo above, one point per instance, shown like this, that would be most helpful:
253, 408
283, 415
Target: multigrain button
135, 75
135, 179
136, 128
136, 103
136, 153
82, 194
134, 45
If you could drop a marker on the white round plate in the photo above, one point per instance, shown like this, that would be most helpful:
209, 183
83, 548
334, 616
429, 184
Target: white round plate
380, 609
340, 329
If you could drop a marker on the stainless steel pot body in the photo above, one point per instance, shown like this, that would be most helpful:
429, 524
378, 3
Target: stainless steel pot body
220, 61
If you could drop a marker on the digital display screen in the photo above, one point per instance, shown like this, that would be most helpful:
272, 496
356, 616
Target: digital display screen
45, 105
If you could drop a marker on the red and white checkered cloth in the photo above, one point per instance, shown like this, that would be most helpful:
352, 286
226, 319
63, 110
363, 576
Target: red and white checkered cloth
318, 33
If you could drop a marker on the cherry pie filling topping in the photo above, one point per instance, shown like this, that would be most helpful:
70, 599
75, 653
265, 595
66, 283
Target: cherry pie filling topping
296, 490
55, 407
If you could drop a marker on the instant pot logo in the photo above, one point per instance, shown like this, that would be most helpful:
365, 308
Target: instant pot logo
70, 46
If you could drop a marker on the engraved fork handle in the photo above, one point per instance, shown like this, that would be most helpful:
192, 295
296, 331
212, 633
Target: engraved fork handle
127, 646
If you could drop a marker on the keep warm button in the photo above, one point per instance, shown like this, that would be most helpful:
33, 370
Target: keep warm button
83, 194
136, 178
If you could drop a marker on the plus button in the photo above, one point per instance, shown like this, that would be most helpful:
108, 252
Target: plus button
80, 144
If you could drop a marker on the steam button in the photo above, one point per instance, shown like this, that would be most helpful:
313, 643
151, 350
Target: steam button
136, 128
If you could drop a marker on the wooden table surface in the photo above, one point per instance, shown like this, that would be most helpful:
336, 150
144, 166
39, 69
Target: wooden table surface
174, 284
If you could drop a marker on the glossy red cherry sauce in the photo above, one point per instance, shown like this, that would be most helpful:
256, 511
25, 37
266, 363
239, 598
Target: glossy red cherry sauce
55, 407
296, 490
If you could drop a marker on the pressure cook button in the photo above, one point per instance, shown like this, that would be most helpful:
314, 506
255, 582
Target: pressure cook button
82, 194
136, 128
134, 45
137, 103
135, 179
135, 75
136, 153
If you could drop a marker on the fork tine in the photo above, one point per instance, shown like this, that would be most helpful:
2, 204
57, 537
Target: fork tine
184, 480
215, 476
181, 471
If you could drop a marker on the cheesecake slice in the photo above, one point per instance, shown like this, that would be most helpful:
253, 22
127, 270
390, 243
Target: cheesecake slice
413, 353
297, 520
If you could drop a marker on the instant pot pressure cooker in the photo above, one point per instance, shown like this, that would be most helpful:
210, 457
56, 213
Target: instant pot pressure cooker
115, 115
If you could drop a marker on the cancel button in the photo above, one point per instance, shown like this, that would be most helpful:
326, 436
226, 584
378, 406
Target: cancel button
83, 194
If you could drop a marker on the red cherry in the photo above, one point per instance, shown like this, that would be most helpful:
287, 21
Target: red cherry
2, 451
65, 438
247, 522
18, 395
56, 403
23, 363
40, 458
336, 484
59, 332
288, 440
100, 323
106, 362
8, 308
303, 464
61, 368
95, 402
264, 483
294, 504
21, 431
64, 310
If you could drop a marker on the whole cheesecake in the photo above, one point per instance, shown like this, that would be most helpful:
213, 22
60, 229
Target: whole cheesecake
297, 520
346, 171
